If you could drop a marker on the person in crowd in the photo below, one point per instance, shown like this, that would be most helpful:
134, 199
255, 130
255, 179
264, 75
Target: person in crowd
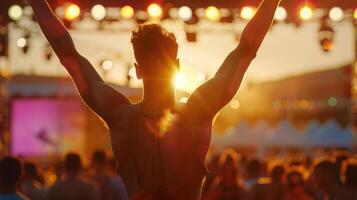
349, 174
227, 185
253, 173
119, 191
73, 186
327, 180
10, 173
154, 140
273, 189
31, 184
295, 187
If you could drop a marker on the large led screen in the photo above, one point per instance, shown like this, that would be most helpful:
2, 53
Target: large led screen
42, 127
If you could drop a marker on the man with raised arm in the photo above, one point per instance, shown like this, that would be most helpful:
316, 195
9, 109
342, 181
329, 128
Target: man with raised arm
160, 147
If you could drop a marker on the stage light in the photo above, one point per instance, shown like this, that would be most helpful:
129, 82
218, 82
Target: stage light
15, 12
180, 80
72, 11
336, 14
306, 13
99, 12
212, 13
127, 12
185, 13
21, 42
155, 11
280, 14
235, 104
107, 65
355, 14
184, 99
247, 13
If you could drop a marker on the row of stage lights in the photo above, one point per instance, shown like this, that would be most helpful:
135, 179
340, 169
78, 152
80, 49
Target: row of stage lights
98, 12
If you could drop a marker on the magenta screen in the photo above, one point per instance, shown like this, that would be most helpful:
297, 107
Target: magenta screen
47, 126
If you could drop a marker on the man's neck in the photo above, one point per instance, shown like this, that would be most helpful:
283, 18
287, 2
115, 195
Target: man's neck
158, 98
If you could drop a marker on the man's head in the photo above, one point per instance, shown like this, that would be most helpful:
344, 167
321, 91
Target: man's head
326, 174
72, 163
99, 159
155, 51
10, 172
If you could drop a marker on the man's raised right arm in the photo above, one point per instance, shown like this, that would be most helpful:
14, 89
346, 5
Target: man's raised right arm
93, 90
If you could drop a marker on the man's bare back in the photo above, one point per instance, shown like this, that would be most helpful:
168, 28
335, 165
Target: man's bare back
160, 148
162, 154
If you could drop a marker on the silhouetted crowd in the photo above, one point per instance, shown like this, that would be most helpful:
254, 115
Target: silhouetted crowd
330, 175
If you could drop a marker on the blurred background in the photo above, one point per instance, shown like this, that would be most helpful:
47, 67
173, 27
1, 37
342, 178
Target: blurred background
298, 95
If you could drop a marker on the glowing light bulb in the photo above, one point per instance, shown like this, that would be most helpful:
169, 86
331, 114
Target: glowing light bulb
280, 14
336, 14
127, 12
155, 11
212, 13
72, 12
185, 13
98, 12
306, 13
247, 12
15, 12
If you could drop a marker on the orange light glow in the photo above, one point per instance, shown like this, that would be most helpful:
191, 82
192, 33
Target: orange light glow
155, 11
306, 13
72, 12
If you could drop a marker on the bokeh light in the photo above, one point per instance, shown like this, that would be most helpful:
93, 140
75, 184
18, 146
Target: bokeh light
280, 14
336, 14
72, 12
235, 104
306, 13
127, 12
332, 101
98, 12
154, 11
201, 77
355, 14
21, 42
247, 12
212, 13
185, 13
15, 12
107, 65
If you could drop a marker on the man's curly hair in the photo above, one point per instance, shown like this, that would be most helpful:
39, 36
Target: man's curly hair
153, 42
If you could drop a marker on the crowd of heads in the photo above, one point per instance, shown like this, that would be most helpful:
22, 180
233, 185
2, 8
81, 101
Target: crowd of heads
330, 175
68, 179
231, 176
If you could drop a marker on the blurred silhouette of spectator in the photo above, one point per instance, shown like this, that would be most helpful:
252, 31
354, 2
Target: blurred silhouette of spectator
327, 180
253, 173
273, 189
31, 184
295, 187
227, 185
10, 172
349, 176
73, 186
